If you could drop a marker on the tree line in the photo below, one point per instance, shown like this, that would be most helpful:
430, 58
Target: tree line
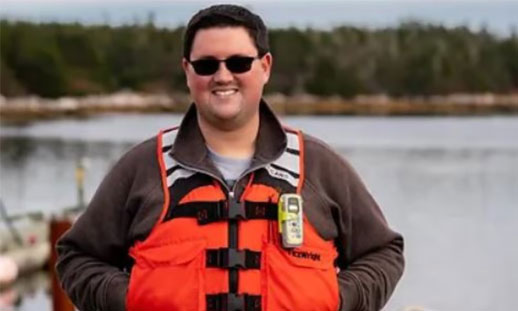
55, 59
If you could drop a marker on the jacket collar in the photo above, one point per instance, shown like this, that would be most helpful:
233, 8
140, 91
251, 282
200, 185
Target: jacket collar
190, 150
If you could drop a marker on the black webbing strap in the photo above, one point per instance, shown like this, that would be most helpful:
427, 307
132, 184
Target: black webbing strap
233, 302
261, 210
207, 212
233, 258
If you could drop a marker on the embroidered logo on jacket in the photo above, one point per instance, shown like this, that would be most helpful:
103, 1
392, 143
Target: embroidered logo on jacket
305, 255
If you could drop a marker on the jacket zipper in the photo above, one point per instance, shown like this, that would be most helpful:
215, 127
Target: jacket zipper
233, 235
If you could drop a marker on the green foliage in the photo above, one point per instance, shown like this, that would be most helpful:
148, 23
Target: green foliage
53, 60
35, 59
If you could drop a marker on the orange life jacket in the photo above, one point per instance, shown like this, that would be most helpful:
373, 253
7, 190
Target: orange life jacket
211, 251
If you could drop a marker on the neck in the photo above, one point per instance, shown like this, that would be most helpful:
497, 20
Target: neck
233, 143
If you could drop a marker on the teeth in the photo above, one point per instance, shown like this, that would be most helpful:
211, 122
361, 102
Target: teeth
225, 92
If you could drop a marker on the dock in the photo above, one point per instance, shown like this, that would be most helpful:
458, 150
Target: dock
27, 248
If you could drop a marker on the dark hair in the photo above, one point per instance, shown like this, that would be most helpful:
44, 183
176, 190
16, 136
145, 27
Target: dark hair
227, 15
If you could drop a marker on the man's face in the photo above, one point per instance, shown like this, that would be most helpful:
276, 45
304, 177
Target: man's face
225, 99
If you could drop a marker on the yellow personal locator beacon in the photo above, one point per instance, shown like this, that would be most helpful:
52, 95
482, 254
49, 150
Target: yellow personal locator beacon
291, 220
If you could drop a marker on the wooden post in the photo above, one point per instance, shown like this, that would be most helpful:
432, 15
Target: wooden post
80, 182
60, 301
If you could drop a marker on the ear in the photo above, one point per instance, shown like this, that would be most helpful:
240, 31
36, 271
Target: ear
266, 64
186, 70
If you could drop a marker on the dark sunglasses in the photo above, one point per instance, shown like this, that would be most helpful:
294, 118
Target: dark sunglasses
235, 64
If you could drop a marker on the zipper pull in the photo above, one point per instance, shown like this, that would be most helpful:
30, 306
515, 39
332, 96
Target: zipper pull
231, 194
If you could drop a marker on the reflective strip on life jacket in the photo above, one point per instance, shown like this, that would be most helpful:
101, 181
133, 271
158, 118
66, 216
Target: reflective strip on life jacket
173, 170
287, 166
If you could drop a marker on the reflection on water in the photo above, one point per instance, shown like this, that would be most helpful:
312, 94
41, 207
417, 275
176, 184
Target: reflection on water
15, 151
30, 292
40, 174
457, 211
455, 203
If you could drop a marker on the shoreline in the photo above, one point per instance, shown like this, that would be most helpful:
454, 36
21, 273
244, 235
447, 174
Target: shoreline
26, 109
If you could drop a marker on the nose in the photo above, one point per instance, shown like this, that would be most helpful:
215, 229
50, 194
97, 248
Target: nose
223, 75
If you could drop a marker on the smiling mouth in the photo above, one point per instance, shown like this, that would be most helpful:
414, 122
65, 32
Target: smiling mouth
224, 93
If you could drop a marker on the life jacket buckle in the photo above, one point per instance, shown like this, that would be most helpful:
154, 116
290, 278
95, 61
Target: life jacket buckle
236, 209
233, 302
233, 258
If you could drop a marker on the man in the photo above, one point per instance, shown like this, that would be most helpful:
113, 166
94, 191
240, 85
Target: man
189, 220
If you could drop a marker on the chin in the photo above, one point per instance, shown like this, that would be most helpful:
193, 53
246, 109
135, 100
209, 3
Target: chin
227, 116
227, 110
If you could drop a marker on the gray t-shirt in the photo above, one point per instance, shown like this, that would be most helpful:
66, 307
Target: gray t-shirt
230, 168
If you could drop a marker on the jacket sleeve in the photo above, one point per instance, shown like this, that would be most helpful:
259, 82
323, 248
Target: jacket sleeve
93, 253
372, 260
370, 256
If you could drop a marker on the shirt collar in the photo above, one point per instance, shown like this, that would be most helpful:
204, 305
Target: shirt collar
190, 150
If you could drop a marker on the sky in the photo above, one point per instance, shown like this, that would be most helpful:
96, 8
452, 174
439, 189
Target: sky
499, 16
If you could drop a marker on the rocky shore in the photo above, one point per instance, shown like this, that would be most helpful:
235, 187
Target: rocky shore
24, 109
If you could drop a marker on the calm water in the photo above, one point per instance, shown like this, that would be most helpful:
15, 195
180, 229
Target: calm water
450, 185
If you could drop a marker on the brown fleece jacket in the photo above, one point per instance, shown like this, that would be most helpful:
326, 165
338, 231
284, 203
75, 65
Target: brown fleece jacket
93, 255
